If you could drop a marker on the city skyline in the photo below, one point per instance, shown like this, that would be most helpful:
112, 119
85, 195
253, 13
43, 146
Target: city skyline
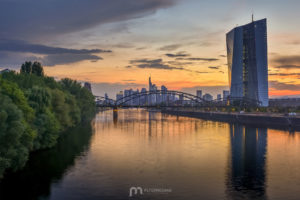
161, 96
153, 87
119, 48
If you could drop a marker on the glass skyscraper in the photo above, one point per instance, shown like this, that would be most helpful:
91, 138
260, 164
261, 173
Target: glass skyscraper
247, 56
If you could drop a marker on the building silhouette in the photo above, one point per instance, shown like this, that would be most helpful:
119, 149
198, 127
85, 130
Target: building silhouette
248, 61
199, 93
246, 172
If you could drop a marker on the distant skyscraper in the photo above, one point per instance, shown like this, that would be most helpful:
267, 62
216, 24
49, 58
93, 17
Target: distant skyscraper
226, 94
143, 98
128, 99
219, 97
150, 84
120, 96
152, 97
248, 61
164, 94
199, 93
136, 100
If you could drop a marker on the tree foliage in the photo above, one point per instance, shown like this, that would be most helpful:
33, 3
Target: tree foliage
32, 68
15, 138
35, 109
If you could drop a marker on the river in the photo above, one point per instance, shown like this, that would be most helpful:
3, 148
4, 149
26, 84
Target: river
157, 156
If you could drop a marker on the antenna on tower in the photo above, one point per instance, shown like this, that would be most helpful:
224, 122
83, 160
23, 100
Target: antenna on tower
252, 17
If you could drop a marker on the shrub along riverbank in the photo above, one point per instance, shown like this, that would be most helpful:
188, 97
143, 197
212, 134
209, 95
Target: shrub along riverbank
35, 110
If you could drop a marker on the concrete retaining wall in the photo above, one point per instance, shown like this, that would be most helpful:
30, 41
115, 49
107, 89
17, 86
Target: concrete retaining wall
247, 119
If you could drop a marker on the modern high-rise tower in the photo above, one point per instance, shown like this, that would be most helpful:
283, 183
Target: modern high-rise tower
247, 55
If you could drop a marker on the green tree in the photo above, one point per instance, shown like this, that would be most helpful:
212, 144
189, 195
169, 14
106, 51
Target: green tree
84, 98
37, 69
17, 96
26, 67
15, 139
34, 109
48, 128
61, 109
32, 68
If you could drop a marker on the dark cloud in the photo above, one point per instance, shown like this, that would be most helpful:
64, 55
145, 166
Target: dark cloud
14, 60
223, 56
178, 63
29, 19
60, 59
153, 64
199, 59
287, 62
199, 72
124, 46
160, 64
214, 67
129, 80
128, 66
179, 54
15, 52
284, 86
25, 47
288, 67
284, 74
171, 47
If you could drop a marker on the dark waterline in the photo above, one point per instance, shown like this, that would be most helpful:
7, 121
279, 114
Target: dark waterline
192, 158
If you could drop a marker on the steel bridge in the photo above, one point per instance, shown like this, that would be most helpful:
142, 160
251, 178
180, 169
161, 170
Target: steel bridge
144, 100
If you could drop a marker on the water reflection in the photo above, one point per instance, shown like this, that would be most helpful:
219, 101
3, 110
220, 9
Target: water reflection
47, 167
197, 159
246, 178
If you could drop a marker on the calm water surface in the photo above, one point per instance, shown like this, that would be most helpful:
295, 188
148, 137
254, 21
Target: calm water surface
187, 158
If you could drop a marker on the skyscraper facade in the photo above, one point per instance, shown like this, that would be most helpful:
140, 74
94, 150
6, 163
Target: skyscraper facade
199, 93
248, 62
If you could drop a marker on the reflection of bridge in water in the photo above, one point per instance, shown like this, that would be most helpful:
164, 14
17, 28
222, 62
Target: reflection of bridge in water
180, 99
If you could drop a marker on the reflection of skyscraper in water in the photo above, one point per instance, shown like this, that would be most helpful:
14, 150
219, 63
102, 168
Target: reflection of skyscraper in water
247, 171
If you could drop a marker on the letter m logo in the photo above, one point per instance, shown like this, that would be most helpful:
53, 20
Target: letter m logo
135, 191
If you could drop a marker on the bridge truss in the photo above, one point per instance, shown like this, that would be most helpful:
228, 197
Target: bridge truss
144, 99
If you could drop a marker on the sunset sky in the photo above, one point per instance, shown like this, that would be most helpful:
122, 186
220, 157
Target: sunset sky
118, 44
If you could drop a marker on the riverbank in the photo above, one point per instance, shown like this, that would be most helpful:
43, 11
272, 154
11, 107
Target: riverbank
258, 119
